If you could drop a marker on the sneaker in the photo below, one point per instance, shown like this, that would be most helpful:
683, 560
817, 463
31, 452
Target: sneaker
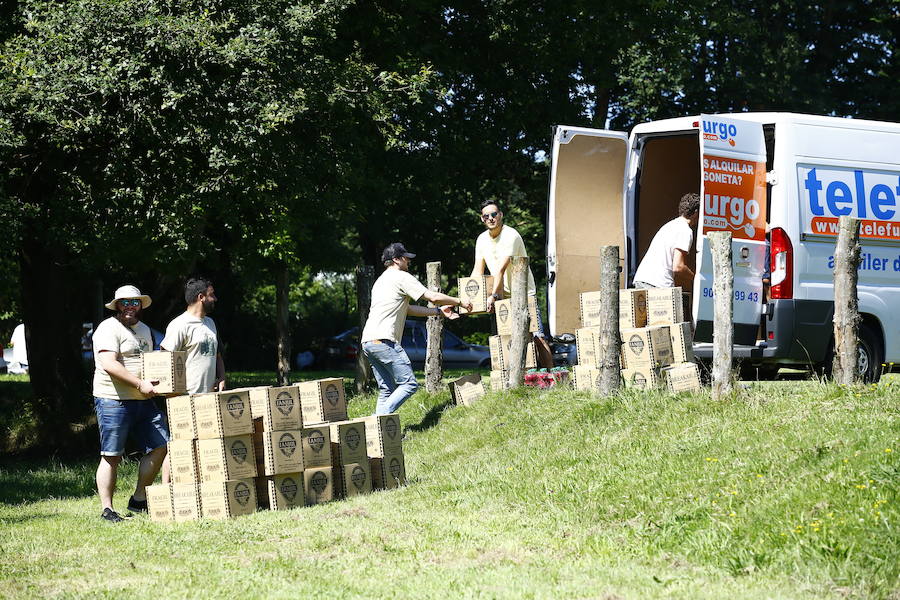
138, 506
111, 516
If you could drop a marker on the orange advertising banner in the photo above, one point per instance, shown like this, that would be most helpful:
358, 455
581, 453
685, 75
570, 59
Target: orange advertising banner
734, 197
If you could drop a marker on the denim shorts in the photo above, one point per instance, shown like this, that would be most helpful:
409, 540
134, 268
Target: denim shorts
139, 418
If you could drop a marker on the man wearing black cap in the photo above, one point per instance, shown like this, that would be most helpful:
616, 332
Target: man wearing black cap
387, 314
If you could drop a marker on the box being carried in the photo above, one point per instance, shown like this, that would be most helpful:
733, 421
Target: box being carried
323, 400
642, 377
221, 414
166, 368
503, 312
646, 346
682, 377
500, 356
227, 499
226, 458
476, 290
280, 492
466, 390
278, 407
664, 306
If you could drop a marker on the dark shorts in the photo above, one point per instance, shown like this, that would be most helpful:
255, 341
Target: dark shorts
140, 419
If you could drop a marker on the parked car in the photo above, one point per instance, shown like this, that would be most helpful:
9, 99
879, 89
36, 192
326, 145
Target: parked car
342, 349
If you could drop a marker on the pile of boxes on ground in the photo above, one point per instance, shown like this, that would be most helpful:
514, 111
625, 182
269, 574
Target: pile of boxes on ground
270, 447
657, 342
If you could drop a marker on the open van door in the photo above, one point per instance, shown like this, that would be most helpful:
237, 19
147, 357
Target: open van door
732, 198
587, 185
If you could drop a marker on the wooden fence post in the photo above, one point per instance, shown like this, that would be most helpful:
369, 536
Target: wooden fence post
847, 255
434, 351
610, 378
520, 318
723, 313
365, 279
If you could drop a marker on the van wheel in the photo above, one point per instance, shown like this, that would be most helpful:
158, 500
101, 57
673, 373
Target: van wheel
870, 359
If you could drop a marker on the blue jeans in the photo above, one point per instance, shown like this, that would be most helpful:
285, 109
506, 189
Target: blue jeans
394, 374
117, 418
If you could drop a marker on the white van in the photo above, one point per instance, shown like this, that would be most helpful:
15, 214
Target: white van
793, 174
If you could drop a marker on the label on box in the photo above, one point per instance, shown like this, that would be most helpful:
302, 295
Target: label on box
647, 346
279, 452
632, 309
186, 501
316, 445
227, 499
278, 407
590, 306
499, 380
167, 370
500, 352
503, 313
664, 306
383, 434
222, 414
318, 485
183, 463
227, 458
682, 340
683, 377
180, 411
323, 400
586, 377
159, 503
348, 442
388, 471
476, 290
644, 378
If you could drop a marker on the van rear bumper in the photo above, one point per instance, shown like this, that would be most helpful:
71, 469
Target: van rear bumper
796, 331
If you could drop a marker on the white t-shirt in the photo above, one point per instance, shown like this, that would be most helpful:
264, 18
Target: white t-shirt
199, 338
495, 249
19, 348
656, 266
127, 344
390, 300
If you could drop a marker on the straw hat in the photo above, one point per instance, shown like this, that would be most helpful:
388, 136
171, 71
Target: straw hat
128, 291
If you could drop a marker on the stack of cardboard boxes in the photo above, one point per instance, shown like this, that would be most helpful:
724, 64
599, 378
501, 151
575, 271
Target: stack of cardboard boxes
657, 342
272, 447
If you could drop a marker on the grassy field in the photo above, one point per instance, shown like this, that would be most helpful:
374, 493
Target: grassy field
789, 491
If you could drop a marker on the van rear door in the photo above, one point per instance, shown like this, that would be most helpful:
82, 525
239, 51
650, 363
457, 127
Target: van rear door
587, 184
733, 198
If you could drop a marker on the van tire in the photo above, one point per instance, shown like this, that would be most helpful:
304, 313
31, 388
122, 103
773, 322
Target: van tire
871, 356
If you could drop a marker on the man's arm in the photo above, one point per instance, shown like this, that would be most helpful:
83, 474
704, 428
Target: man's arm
116, 369
681, 273
443, 300
219, 385
478, 267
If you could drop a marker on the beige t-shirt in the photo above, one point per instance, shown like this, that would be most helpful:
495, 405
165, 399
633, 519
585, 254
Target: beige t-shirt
656, 267
199, 338
495, 250
128, 343
390, 301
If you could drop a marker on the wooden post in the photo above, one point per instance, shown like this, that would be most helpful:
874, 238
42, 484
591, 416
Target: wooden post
846, 302
365, 279
610, 378
434, 351
282, 324
723, 313
518, 266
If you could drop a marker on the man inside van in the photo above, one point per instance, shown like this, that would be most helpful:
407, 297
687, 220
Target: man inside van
665, 263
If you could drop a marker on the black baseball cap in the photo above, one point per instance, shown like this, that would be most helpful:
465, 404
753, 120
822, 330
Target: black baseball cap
395, 250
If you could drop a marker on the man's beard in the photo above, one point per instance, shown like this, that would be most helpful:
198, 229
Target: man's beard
208, 306
125, 319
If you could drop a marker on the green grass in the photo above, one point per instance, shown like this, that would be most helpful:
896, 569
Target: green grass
790, 491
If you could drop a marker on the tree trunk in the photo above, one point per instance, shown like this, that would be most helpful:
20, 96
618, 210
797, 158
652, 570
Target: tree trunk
434, 351
365, 279
846, 302
282, 326
518, 266
723, 313
610, 377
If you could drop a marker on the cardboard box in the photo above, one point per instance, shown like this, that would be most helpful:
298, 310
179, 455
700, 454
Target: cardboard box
466, 390
503, 312
222, 414
682, 377
644, 378
186, 501
500, 356
588, 345
159, 503
499, 380
280, 492
476, 290
383, 434
348, 442
167, 368
180, 413
388, 471
227, 499
318, 485
590, 305
278, 452
183, 463
226, 458
664, 306
586, 377
682, 339
646, 346
352, 479
322, 401
278, 407
315, 443
632, 309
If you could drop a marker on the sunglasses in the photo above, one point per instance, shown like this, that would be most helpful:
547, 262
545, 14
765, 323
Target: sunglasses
490, 215
130, 302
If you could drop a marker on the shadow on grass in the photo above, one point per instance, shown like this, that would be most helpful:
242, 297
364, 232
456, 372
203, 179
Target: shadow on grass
33, 480
431, 418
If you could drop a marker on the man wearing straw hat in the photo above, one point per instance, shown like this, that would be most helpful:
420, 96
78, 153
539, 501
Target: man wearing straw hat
123, 401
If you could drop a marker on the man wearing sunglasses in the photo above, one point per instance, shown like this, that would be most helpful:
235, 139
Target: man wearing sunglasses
387, 314
123, 401
494, 248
